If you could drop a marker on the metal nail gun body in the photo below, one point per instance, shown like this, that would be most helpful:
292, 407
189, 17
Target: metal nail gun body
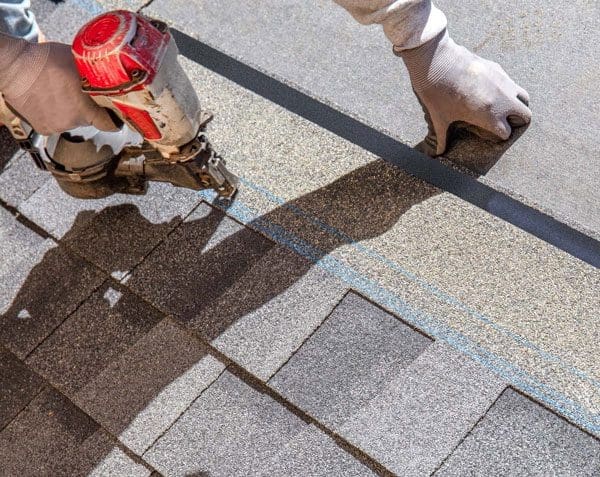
128, 64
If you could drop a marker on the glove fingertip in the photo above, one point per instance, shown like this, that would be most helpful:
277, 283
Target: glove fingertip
523, 96
503, 130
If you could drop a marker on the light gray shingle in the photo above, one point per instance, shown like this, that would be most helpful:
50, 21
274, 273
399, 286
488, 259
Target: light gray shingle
234, 430
519, 437
424, 412
348, 361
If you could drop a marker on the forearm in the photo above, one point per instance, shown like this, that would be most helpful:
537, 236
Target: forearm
406, 23
17, 19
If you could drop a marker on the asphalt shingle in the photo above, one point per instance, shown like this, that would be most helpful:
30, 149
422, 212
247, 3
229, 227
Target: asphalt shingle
102, 328
19, 178
421, 416
42, 10
519, 437
8, 148
115, 232
119, 464
232, 430
118, 237
318, 46
348, 361
278, 303
403, 244
158, 378
21, 249
183, 277
60, 21
18, 386
41, 285
53, 437
313, 453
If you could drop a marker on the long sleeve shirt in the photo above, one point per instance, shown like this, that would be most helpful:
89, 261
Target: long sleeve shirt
16, 19
406, 23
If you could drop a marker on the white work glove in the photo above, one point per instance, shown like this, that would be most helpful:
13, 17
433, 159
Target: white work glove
41, 83
458, 87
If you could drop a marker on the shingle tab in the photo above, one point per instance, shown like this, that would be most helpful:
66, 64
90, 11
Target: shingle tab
423, 413
119, 464
158, 378
315, 454
183, 276
19, 178
53, 437
87, 225
234, 430
229, 431
519, 437
279, 302
18, 386
41, 285
349, 360
102, 328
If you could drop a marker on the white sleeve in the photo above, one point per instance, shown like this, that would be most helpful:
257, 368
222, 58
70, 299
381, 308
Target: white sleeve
407, 23
16, 19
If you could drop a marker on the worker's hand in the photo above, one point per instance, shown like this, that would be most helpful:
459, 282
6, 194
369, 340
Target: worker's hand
457, 86
41, 83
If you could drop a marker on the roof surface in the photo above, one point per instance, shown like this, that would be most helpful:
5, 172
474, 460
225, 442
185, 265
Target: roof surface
342, 317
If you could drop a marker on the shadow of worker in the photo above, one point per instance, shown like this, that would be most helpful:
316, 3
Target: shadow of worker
211, 288
207, 272
8, 147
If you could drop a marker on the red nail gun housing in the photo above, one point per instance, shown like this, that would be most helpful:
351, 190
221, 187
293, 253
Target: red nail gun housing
128, 63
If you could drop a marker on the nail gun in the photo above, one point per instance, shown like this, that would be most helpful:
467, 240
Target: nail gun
128, 65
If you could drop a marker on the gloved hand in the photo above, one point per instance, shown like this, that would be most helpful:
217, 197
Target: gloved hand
41, 83
456, 86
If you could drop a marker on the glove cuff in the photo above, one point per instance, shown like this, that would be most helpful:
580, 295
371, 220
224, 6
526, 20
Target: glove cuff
21, 63
429, 63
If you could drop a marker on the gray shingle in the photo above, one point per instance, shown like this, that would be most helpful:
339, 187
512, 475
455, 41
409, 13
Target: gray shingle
118, 237
233, 429
138, 396
322, 49
279, 302
102, 328
19, 179
59, 213
41, 285
230, 430
8, 149
421, 415
21, 249
18, 386
52, 437
351, 357
62, 22
42, 10
183, 278
519, 437
315, 454
119, 464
